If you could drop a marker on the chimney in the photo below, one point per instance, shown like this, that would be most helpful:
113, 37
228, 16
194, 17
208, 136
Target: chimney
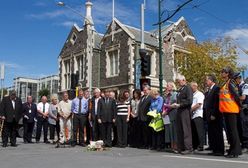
88, 18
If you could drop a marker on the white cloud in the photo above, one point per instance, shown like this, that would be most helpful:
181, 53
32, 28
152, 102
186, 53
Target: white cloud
101, 13
10, 65
240, 36
41, 4
67, 24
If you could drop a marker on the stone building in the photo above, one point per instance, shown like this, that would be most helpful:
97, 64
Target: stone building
115, 63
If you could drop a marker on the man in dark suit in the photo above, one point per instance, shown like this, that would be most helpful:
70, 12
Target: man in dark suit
93, 114
11, 112
29, 114
144, 133
183, 116
213, 117
106, 114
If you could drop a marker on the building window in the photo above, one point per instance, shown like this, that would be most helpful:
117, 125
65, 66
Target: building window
73, 38
112, 63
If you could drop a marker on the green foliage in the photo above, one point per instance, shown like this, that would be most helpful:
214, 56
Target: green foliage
4, 92
44, 92
207, 58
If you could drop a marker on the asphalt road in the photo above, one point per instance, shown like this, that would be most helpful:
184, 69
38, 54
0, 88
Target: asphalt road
47, 156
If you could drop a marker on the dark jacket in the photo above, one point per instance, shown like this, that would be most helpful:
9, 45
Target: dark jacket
92, 109
185, 97
7, 110
211, 103
30, 112
106, 110
144, 106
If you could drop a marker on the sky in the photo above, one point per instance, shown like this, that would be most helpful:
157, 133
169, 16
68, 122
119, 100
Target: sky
32, 32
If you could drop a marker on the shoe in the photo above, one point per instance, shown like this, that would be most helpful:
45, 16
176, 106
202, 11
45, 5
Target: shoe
208, 148
231, 156
73, 144
82, 144
215, 154
13, 145
186, 152
4, 145
244, 150
37, 141
200, 149
46, 142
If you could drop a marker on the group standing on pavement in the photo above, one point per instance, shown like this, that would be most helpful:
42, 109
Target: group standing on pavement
188, 115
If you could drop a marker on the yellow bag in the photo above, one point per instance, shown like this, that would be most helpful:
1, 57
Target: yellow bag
157, 122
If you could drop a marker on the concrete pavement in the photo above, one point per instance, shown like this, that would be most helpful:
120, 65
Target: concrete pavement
46, 155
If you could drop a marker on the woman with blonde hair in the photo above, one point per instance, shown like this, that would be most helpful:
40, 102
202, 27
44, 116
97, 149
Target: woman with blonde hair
169, 115
53, 118
156, 104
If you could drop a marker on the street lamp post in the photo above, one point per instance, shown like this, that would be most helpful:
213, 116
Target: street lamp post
160, 49
90, 39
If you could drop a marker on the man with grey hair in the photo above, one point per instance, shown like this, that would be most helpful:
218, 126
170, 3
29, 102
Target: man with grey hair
93, 114
64, 110
42, 119
145, 132
183, 120
11, 112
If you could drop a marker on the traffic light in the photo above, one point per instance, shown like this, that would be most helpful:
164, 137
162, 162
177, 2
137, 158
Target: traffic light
145, 62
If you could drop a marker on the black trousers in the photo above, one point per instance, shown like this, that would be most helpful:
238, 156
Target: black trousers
232, 129
88, 131
215, 135
157, 139
144, 134
41, 122
115, 135
9, 130
184, 135
54, 128
197, 132
244, 121
106, 133
133, 131
79, 122
122, 125
96, 130
28, 131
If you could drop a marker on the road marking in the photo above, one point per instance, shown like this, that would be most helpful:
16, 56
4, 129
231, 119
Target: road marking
206, 159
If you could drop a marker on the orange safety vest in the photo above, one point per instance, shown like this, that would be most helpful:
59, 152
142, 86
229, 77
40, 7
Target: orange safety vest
227, 103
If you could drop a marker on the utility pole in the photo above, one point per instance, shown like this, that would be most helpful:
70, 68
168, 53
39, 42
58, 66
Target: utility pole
2, 80
160, 49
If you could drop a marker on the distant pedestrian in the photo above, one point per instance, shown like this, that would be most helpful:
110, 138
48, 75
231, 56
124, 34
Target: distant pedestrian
169, 116
53, 119
93, 114
197, 118
213, 117
10, 112
133, 123
64, 110
157, 104
229, 105
29, 115
183, 118
42, 119
106, 114
79, 110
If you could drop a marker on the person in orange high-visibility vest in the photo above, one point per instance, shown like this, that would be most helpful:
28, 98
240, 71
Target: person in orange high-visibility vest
229, 105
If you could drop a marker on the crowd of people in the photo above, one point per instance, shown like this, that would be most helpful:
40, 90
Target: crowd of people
191, 118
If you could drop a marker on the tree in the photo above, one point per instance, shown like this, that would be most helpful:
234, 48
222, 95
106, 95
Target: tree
4, 92
44, 92
208, 57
